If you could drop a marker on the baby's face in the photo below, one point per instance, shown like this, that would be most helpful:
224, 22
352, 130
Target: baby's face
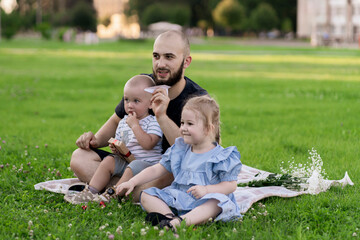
136, 100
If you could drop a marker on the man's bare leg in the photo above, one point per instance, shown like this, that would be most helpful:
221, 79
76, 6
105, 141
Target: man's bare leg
161, 182
84, 164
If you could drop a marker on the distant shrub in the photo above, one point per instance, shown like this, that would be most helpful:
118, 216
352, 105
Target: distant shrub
45, 29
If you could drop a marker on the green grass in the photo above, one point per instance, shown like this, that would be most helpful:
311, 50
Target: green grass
276, 104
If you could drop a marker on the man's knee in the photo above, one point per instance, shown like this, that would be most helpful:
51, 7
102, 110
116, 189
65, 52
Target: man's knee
75, 159
84, 163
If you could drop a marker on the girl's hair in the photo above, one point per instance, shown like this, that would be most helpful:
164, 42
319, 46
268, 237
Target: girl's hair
208, 110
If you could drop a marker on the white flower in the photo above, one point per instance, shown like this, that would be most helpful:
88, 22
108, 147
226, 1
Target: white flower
143, 231
161, 233
30, 223
156, 228
109, 214
354, 234
70, 225
119, 230
234, 230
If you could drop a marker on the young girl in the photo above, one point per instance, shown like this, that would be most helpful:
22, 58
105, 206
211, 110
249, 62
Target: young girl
205, 173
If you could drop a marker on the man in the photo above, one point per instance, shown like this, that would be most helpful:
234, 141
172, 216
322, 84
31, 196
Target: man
171, 56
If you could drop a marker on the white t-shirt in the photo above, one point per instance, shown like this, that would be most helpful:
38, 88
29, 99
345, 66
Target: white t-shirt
126, 135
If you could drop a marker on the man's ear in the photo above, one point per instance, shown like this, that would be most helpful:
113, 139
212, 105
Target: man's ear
187, 61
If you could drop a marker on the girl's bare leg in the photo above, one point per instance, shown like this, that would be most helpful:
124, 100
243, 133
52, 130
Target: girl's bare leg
103, 173
200, 214
154, 204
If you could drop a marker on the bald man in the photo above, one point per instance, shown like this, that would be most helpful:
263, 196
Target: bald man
171, 56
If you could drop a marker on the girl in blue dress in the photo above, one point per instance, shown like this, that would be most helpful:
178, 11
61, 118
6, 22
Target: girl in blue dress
205, 173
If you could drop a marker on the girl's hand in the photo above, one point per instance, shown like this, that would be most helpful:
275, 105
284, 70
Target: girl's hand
198, 191
125, 188
131, 120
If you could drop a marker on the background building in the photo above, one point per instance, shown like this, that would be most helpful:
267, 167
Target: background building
329, 21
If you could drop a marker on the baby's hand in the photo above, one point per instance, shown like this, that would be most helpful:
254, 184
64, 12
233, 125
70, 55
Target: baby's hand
198, 191
125, 188
113, 149
131, 120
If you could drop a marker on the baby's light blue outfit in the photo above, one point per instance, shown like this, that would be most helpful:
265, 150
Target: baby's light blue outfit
190, 169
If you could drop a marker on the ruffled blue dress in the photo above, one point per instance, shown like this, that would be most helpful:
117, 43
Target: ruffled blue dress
190, 169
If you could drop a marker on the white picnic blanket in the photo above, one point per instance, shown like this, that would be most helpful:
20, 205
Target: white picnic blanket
245, 196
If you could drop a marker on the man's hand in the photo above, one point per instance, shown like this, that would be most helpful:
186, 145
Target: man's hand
87, 140
198, 191
160, 101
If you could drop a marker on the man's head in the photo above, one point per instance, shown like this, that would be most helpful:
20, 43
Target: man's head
171, 56
136, 99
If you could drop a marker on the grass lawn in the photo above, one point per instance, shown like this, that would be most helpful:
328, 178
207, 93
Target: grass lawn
277, 103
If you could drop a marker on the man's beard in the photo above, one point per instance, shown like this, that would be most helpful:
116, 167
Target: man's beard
172, 79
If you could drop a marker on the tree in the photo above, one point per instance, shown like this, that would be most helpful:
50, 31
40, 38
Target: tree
229, 14
10, 24
286, 26
175, 13
263, 18
284, 9
196, 10
84, 17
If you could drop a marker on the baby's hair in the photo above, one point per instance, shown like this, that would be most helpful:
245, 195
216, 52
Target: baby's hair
144, 80
208, 110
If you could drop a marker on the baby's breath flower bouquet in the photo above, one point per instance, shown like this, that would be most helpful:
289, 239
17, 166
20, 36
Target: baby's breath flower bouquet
308, 177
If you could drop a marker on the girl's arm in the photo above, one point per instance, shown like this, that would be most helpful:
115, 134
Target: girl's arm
146, 175
226, 188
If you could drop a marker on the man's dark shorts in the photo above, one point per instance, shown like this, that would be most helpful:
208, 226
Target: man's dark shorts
102, 153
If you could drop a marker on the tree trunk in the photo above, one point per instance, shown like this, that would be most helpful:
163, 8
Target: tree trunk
38, 12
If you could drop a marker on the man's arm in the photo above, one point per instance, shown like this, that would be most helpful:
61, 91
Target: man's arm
107, 131
169, 128
100, 139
